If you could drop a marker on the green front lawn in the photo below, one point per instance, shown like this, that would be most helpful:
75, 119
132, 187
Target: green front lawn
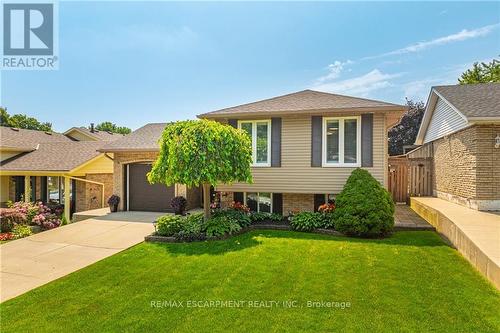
411, 282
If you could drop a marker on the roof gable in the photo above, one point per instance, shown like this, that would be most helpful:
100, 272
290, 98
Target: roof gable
306, 100
92, 135
458, 106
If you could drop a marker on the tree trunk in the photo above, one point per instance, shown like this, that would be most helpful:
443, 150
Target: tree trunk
206, 200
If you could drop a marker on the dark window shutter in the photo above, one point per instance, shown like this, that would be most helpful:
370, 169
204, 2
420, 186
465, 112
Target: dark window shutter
367, 140
278, 203
238, 197
233, 122
275, 142
43, 189
316, 136
319, 199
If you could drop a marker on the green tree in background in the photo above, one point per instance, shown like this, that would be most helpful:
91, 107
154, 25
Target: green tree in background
108, 126
202, 152
22, 121
405, 132
481, 73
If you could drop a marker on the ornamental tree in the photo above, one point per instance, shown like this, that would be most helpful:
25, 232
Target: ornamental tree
202, 152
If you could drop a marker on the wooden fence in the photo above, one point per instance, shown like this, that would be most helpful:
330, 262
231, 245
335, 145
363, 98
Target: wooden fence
409, 177
420, 177
398, 178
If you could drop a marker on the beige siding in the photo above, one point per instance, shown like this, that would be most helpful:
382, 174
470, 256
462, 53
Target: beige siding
296, 174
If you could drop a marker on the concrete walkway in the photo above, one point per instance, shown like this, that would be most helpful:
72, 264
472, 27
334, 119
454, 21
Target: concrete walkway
36, 260
406, 219
475, 234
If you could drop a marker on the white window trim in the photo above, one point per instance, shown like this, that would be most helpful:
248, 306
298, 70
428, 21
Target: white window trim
341, 143
258, 196
254, 141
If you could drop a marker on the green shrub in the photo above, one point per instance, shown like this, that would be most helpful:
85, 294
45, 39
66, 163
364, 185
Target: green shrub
261, 216
275, 217
364, 207
192, 228
169, 225
21, 231
307, 221
327, 220
238, 216
220, 225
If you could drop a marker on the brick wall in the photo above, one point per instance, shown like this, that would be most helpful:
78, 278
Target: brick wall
120, 160
467, 166
81, 196
226, 198
455, 163
297, 201
488, 163
89, 196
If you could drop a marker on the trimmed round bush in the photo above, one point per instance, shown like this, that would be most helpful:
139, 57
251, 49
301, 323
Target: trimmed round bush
364, 207
169, 225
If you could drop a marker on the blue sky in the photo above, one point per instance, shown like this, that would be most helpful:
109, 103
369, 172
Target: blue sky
139, 62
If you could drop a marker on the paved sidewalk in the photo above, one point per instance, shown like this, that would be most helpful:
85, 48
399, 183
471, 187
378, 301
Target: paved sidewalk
474, 233
36, 260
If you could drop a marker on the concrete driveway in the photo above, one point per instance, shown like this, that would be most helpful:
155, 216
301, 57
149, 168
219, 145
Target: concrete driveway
36, 260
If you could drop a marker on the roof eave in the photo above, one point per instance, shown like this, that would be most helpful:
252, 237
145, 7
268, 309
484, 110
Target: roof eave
20, 149
383, 109
483, 120
124, 150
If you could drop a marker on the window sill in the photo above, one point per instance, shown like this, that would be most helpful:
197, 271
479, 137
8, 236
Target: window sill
260, 165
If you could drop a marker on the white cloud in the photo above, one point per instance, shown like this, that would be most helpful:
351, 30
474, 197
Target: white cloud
361, 85
334, 71
457, 37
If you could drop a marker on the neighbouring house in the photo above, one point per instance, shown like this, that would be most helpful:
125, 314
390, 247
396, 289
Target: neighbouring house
305, 146
133, 157
460, 135
57, 169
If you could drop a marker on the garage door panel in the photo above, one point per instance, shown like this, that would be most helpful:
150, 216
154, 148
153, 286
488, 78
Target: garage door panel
146, 197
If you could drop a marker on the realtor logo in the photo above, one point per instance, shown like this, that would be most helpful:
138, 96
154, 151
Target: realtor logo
29, 36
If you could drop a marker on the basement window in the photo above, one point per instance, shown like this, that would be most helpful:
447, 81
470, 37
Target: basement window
259, 201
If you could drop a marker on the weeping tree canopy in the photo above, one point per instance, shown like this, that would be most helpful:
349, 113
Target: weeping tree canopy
202, 152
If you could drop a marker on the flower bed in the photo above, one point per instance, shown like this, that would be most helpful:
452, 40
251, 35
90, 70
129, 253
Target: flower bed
363, 209
21, 218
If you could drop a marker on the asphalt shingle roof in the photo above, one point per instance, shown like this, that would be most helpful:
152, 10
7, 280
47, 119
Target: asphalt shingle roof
473, 100
24, 139
303, 101
54, 156
145, 139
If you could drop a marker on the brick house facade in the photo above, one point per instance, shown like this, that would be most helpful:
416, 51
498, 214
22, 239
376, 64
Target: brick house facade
459, 134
